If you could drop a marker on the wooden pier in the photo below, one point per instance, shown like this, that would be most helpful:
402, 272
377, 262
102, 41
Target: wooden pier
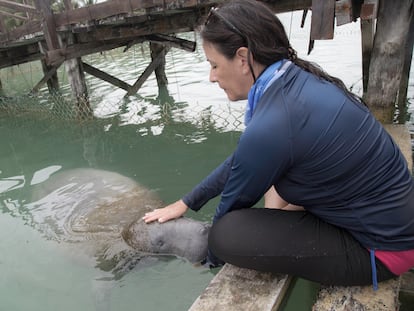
57, 33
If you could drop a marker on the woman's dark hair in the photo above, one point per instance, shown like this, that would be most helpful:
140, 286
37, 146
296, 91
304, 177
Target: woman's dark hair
252, 24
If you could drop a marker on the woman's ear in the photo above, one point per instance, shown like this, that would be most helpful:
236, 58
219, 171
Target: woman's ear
243, 54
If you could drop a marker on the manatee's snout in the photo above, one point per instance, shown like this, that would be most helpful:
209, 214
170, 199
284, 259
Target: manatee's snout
183, 237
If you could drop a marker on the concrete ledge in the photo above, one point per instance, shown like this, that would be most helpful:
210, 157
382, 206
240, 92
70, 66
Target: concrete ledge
402, 137
235, 289
359, 298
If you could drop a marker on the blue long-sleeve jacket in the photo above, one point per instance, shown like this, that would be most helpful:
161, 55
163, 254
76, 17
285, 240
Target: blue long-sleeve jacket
324, 151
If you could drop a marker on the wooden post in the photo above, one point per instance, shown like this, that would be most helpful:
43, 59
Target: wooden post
386, 66
159, 50
1, 88
367, 23
76, 77
402, 93
156, 60
52, 41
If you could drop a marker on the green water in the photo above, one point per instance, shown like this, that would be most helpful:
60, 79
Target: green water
166, 143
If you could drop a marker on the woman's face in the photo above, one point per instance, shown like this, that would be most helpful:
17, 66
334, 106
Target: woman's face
232, 75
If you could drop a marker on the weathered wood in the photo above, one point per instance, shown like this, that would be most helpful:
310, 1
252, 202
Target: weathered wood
343, 12
323, 17
79, 50
53, 81
158, 59
387, 57
159, 50
281, 6
402, 103
76, 78
367, 24
46, 77
29, 28
171, 41
235, 289
19, 7
367, 39
114, 8
14, 15
174, 23
106, 77
49, 26
2, 26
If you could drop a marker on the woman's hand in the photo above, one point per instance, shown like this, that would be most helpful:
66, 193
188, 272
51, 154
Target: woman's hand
169, 212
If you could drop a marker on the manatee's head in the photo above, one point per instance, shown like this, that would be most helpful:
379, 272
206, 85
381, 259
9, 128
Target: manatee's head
183, 237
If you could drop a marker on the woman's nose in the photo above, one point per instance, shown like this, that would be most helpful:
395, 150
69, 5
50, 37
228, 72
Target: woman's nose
212, 76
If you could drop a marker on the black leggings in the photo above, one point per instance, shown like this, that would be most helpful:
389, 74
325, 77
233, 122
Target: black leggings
295, 243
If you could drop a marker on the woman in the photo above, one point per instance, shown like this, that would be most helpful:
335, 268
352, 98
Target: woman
318, 145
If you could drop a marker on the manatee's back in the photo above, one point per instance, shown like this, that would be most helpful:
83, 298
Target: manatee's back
81, 204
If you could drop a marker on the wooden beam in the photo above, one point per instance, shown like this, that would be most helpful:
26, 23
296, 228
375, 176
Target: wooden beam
173, 41
323, 16
281, 6
106, 77
28, 28
165, 24
13, 15
343, 12
147, 72
47, 76
115, 8
79, 50
19, 7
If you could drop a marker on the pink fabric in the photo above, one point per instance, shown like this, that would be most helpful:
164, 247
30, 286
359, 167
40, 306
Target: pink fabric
397, 262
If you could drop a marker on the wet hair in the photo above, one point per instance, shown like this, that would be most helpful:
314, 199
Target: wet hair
251, 24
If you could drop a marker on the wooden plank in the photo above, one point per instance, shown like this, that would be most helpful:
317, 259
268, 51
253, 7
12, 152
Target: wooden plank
235, 289
112, 8
171, 41
343, 12
323, 16
157, 24
13, 15
21, 31
19, 7
104, 76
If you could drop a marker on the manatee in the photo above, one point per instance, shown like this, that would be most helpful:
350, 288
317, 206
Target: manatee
183, 236
99, 213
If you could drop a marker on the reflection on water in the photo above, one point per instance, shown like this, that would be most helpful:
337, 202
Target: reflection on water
166, 142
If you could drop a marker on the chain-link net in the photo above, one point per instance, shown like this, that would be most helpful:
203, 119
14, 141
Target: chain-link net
188, 97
